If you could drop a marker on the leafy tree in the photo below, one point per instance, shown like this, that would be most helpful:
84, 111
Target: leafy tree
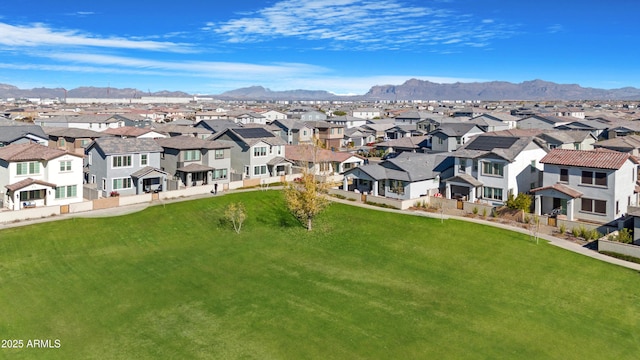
520, 202
236, 214
339, 113
306, 198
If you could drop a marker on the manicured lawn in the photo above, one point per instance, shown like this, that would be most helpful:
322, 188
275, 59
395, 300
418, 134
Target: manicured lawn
173, 282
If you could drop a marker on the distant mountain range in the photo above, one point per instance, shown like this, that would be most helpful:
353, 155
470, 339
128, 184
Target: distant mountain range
413, 89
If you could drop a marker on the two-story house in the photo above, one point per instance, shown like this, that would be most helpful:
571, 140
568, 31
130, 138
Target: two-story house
36, 175
596, 186
256, 152
72, 139
490, 167
451, 136
195, 161
17, 134
293, 131
327, 134
125, 166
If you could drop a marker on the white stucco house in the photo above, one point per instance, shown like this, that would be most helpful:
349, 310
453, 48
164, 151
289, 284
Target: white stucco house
488, 168
33, 175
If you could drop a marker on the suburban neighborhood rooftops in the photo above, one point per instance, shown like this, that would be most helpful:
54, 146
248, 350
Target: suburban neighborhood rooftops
11, 133
598, 159
30, 151
488, 143
117, 145
190, 142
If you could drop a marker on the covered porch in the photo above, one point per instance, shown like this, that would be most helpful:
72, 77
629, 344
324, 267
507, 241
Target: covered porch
557, 199
279, 166
195, 175
28, 193
463, 186
365, 180
150, 179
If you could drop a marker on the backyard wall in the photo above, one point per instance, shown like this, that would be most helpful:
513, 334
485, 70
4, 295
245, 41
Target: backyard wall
619, 248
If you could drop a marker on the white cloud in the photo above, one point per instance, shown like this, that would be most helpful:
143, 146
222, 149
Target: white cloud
39, 35
362, 24
556, 28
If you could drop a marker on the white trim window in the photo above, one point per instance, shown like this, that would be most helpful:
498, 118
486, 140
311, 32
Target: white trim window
492, 193
260, 169
219, 153
493, 168
220, 174
259, 151
191, 155
121, 161
28, 168
65, 192
121, 183
144, 159
65, 166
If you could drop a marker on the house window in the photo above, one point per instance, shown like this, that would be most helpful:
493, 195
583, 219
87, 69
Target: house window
396, 187
594, 206
65, 165
104, 184
564, 175
220, 174
533, 166
475, 165
121, 183
594, 178
144, 159
304, 132
33, 195
90, 160
494, 169
28, 168
576, 146
440, 141
63, 192
260, 151
192, 155
463, 165
84, 142
93, 179
260, 170
492, 193
61, 142
219, 154
121, 161
552, 146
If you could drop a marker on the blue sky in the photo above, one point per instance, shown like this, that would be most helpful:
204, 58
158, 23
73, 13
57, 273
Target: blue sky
343, 46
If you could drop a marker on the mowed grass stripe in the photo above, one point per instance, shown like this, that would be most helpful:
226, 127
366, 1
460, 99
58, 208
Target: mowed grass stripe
175, 281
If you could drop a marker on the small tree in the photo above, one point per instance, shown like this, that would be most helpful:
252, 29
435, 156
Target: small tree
520, 202
306, 198
236, 214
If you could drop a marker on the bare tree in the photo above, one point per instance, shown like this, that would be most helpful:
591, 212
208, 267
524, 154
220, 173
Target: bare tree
236, 214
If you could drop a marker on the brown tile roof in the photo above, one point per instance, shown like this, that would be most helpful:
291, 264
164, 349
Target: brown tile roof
567, 190
127, 131
26, 182
583, 158
31, 152
306, 153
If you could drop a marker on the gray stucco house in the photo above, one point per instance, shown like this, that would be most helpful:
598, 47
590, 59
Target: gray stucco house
126, 166
196, 162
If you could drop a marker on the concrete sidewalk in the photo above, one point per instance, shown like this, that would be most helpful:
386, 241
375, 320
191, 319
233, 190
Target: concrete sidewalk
545, 234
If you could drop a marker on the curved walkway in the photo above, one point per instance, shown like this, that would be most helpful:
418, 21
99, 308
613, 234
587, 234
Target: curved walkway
128, 209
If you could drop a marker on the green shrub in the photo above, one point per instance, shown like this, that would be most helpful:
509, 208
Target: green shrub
520, 202
475, 210
624, 236
484, 212
575, 232
562, 228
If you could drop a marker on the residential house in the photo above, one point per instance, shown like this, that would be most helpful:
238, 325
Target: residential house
379, 129
405, 144
366, 113
91, 122
124, 166
137, 132
33, 175
347, 121
490, 167
321, 161
214, 126
327, 134
293, 131
451, 136
408, 176
595, 186
196, 162
256, 152
400, 131
489, 122
568, 139
313, 116
412, 117
273, 115
544, 121
19, 134
72, 139
627, 144
358, 137
248, 117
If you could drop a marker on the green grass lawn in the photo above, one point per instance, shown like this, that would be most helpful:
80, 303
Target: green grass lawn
174, 282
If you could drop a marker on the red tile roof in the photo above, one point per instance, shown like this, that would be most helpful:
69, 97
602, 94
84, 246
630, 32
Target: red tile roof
583, 158
26, 182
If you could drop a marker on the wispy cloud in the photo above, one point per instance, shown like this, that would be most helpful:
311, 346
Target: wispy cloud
40, 35
360, 25
556, 28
